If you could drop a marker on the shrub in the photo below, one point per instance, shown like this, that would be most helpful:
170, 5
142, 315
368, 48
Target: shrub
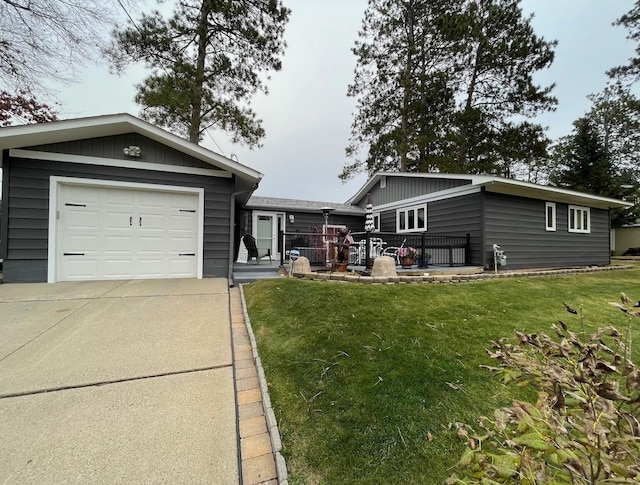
583, 428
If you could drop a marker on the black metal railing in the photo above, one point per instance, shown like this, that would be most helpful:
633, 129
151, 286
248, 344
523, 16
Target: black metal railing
439, 250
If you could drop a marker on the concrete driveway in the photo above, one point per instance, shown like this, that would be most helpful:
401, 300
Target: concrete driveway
117, 382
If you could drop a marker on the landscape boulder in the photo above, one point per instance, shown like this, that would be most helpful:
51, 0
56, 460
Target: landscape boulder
384, 267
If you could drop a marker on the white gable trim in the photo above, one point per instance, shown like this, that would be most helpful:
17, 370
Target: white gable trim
433, 197
110, 162
504, 185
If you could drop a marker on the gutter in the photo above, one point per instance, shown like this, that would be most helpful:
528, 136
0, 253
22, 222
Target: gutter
232, 232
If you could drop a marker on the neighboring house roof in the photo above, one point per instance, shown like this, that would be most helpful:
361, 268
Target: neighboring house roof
275, 203
116, 124
502, 185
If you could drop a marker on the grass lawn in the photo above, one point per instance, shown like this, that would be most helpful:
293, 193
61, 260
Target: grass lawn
365, 379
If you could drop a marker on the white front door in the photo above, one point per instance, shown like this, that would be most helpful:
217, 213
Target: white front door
125, 233
265, 231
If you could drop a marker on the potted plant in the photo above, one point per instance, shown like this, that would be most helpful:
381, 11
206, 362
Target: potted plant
424, 260
407, 256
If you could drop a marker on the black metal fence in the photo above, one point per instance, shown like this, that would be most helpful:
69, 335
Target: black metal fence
439, 250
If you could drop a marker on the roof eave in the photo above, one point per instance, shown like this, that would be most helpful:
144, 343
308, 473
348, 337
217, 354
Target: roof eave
553, 194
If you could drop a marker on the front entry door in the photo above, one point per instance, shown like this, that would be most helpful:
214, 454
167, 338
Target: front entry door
265, 230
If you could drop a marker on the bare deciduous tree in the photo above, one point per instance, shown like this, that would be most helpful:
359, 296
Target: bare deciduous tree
47, 40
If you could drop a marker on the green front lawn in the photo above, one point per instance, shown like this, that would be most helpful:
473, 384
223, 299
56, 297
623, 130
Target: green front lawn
365, 380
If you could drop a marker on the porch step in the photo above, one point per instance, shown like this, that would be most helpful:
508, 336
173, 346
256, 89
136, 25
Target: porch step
248, 272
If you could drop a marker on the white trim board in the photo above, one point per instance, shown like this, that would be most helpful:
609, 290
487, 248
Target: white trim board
111, 162
54, 187
433, 197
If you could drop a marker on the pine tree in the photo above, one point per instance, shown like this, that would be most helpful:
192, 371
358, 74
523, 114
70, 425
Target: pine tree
402, 87
207, 61
631, 22
440, 83
583, 162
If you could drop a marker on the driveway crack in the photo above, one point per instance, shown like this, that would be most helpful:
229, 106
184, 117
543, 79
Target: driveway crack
113, 381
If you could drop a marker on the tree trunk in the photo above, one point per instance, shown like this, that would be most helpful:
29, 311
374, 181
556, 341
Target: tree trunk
196, 96
463, 148
406, 86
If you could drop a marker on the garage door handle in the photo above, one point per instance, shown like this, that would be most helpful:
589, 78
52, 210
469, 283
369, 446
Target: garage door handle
186, 254
140, 222
130, 221
73, 254
69, 204
187, 210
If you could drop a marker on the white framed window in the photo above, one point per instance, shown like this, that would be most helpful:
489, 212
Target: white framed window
550, 216
376, 222
383, 181
579, 219
411, 219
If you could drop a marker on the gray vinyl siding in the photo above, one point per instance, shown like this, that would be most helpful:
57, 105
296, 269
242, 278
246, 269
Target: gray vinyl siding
28, 211
400, 188
518, 226
113, 147
457, 216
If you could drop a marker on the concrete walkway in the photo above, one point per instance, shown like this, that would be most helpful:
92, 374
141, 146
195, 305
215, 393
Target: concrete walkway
117, 382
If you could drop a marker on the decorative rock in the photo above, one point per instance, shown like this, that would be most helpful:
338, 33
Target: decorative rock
384, 266
301, 265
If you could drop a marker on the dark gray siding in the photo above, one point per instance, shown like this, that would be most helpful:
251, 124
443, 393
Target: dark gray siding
28, 212
457, 216
400, 188
113, 147
518, 226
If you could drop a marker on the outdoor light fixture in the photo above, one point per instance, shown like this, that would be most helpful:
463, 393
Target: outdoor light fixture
132, 151
292, 218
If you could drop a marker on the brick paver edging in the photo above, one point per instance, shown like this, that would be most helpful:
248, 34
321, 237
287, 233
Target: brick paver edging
451, 278
272, 423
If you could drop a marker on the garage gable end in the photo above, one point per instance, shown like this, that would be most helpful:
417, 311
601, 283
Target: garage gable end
132, 147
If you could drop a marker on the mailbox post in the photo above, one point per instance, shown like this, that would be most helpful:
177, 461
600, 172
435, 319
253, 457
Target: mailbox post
499, 258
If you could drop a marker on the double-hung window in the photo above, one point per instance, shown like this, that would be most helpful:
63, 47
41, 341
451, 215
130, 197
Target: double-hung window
579, 219
550, 216
412, 219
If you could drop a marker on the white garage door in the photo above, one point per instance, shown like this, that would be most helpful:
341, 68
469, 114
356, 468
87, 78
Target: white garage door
117, 233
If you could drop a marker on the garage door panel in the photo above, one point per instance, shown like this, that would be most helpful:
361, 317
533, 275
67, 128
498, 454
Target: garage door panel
113, 244
151, 222
126, 233
82, 243
181, 266
82, 220
182, 222
117, 220
150, 244
176, 245
79, 268
117, 268
151, 267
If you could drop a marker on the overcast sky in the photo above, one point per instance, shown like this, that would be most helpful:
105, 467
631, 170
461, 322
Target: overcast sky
307, 115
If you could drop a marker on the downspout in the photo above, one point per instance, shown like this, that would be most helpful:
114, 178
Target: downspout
232, 232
